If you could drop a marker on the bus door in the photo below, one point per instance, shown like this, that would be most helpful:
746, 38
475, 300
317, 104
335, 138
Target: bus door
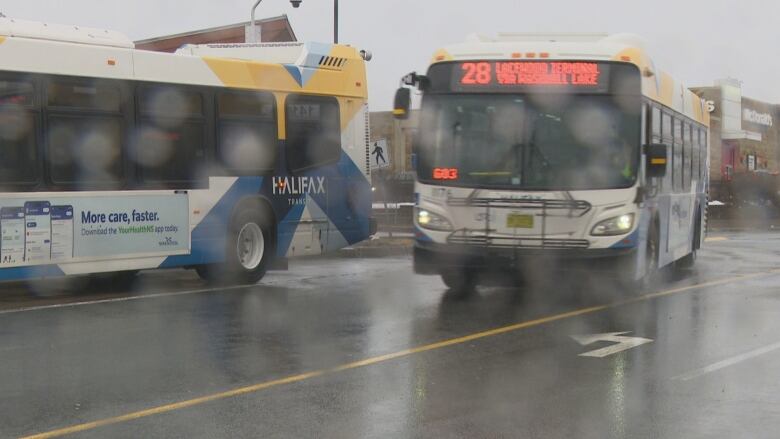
682, 201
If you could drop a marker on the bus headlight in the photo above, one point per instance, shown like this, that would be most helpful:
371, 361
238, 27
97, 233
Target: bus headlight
432, 221
618, 225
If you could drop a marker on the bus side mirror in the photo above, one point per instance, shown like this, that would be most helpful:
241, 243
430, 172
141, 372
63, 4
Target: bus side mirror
656, 159
403, 100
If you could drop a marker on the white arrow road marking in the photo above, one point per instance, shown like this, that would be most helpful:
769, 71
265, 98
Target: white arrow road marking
622, 343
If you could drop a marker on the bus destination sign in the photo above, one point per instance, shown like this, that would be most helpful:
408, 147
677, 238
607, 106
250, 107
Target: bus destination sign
511, 75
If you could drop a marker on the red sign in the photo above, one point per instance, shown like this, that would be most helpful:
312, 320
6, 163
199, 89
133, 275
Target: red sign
445, 173
530, 73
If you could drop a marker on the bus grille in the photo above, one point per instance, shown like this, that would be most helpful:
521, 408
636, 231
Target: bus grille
465, 237
574, 207
543, 208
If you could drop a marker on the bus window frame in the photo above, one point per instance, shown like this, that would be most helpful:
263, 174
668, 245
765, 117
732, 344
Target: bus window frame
83, 113
702, 153
677, 153
205, 118
687, 161
309, 167
667, 137
219, 119
87, 82
655, 136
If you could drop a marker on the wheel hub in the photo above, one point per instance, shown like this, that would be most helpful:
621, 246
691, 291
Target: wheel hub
250, 246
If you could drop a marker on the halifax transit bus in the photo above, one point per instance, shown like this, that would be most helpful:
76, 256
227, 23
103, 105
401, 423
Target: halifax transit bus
222, 158
571, 150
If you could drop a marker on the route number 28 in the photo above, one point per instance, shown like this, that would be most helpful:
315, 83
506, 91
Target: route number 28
476, 73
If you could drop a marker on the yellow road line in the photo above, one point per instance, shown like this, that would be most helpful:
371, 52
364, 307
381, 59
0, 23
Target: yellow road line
383, 358
715, 239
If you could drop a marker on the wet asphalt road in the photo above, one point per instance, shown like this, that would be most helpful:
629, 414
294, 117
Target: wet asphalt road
348, 348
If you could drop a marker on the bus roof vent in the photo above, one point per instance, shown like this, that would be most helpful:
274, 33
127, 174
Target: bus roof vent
10, 27
332, 62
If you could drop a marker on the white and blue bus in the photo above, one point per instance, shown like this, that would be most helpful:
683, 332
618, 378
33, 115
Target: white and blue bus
223, 158
561, 150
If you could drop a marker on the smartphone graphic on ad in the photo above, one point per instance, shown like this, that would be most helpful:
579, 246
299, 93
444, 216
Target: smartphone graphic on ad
11, 235
61, 233
37, 222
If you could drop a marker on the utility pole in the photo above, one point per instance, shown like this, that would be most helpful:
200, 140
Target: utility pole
296, 4
335, 21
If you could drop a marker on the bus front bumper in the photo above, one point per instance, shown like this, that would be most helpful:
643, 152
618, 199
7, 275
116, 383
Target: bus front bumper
433, 258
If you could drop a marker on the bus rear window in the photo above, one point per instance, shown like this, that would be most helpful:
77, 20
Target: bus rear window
313, 132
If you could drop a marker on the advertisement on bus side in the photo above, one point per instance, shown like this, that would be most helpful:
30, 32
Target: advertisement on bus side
61, 229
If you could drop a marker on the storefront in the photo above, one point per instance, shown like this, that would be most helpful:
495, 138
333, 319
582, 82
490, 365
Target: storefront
744, 140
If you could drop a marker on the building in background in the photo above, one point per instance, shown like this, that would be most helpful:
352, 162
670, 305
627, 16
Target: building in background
395, 183
744, 138
269, 30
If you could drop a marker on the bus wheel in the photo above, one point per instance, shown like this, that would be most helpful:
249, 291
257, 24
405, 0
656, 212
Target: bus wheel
461, 281
249, 251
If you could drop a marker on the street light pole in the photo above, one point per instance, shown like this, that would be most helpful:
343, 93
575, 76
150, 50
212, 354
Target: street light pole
252, 28
335, 21
296, 3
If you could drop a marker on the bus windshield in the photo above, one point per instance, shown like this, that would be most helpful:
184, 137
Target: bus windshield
522, 141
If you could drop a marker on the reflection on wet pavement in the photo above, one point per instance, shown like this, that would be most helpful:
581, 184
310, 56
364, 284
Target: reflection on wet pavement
431, 369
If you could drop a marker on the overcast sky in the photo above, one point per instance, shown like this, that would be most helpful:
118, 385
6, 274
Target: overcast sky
696, 41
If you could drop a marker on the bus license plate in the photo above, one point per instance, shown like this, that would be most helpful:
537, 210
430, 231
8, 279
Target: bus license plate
518, 221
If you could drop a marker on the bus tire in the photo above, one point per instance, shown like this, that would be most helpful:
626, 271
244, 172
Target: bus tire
462, 281
249, 252
629, 281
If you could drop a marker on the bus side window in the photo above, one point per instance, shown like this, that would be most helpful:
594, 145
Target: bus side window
84, 134
18, 133
313, 126
678, 155
668, 138
247, 132
702, 154
696, 153
686, 156
656, 125
169, 142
